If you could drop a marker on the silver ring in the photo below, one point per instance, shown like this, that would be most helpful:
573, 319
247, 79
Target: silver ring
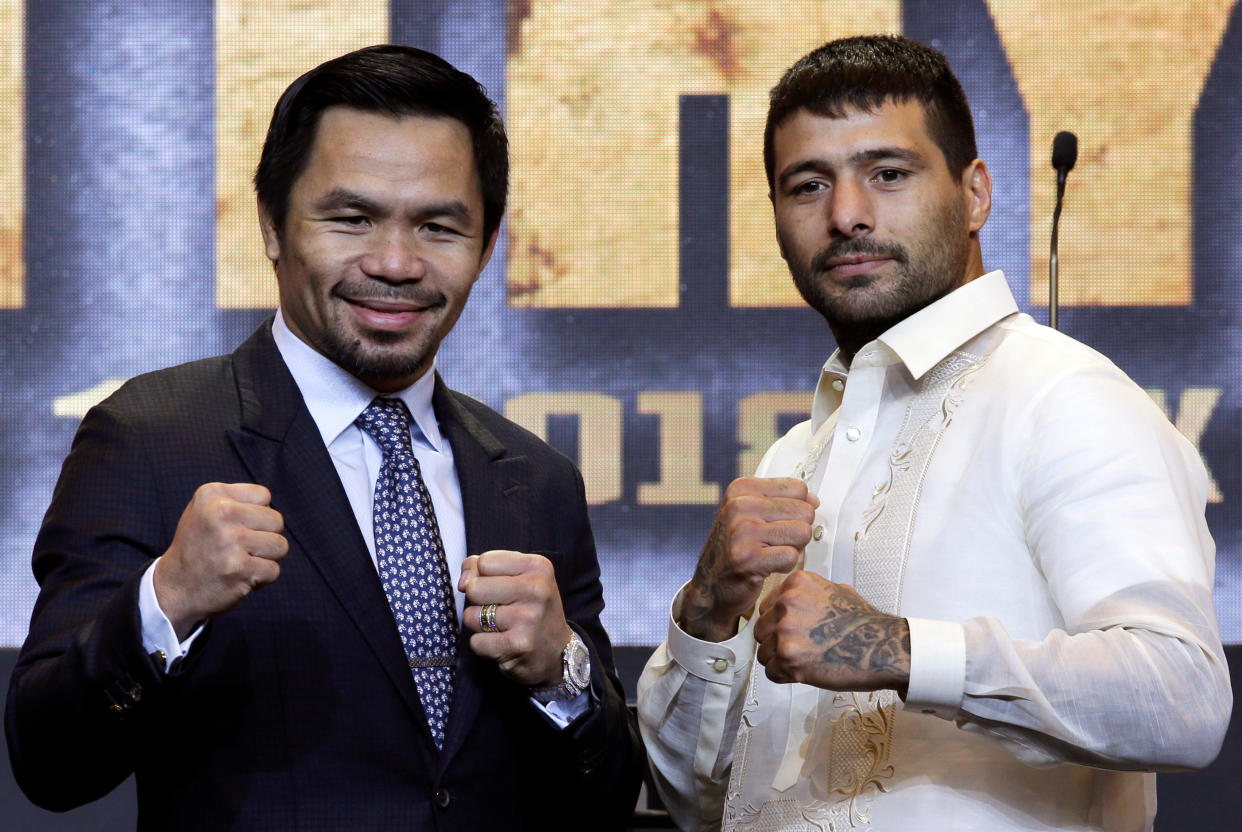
487, 618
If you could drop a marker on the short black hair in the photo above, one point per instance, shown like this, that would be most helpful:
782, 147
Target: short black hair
400, 81
864, 73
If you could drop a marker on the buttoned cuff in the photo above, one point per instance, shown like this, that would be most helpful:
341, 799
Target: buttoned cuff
712, 661
158, 635
563, 712
937, 667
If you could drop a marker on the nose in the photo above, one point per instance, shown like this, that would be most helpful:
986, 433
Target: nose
394, 257
850, 211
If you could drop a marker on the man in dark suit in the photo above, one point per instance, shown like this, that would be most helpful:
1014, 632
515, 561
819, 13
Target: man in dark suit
306, 585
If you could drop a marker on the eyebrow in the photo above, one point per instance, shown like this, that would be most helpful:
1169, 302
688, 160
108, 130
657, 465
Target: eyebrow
343, 198
339, 198
862, 157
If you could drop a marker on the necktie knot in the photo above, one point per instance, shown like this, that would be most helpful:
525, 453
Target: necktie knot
388, 422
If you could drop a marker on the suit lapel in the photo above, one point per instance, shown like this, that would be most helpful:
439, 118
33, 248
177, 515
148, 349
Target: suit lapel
282, 449
495, 490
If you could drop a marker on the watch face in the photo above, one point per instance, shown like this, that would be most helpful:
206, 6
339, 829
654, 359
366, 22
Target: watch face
578, 665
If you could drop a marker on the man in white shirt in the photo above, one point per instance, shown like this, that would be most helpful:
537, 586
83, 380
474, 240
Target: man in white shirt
973, 592
306, 585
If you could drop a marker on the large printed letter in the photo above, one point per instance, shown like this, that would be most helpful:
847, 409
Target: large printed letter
12, 153
758, 424
260, 49
594, 220
681, 451
599, 434
1125, 76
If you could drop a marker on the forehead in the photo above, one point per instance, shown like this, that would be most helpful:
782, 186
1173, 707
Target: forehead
379, 149
893, 124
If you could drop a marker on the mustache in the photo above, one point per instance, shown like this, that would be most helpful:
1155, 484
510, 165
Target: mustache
856, 246
412, 294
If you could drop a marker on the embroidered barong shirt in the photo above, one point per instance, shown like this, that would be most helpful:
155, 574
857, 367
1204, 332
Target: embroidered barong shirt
1041, 525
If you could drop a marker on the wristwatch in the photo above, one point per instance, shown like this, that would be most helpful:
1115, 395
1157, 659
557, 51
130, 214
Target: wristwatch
576, 673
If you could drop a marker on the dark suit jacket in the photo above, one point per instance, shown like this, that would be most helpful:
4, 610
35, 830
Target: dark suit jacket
296, 709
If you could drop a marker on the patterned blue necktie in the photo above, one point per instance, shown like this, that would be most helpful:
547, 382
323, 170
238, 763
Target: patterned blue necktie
411, 561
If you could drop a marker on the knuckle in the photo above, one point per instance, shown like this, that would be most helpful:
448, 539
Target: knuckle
519, 642
207, 490
542, 590
745, 530
218, 507
230, 535
525, 617
741, 552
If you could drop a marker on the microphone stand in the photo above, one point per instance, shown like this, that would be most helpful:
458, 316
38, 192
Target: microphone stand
1053, 265
1064, 155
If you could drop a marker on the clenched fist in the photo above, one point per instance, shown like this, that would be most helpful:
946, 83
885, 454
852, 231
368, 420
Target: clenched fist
820, 633
762, 527
530, 622
227, 544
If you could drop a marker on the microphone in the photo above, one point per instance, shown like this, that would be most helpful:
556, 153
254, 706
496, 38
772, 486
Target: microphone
1064, 156
1064, 153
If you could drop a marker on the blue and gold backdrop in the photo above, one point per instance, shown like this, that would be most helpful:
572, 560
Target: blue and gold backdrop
636, 314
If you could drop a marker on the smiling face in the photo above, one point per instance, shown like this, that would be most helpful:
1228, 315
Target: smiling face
382, 243
871, 222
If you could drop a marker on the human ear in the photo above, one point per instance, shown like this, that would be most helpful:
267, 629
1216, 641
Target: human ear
271, 239
977, 187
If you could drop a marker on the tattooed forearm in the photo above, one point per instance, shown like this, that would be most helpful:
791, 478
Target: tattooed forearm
702, 601
870, 642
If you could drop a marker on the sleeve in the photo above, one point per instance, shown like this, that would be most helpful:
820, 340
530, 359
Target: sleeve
158, 636
1112, 500
689, 706
562, 712
81, 692
603, 744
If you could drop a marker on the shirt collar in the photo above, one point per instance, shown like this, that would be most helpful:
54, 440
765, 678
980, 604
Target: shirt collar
927, 337
335, 398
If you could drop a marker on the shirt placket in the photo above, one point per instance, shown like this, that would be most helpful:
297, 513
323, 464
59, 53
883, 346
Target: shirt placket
856, 420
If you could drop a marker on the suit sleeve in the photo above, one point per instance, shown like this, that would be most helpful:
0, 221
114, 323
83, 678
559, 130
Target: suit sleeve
83, 686
605, 747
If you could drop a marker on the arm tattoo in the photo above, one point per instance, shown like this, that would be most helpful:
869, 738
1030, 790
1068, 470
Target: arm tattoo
697, 607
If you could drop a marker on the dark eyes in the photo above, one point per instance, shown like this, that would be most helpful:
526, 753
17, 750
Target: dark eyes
808, 187
358, 221
884, 176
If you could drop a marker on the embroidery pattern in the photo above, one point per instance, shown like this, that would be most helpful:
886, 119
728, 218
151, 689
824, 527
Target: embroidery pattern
863, 724
882, 545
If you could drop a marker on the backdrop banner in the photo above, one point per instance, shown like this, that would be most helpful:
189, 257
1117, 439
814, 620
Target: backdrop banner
636, 313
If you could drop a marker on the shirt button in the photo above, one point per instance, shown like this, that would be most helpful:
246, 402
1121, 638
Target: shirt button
838, 385
852, 434
442, 798
720, 665
818, 532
